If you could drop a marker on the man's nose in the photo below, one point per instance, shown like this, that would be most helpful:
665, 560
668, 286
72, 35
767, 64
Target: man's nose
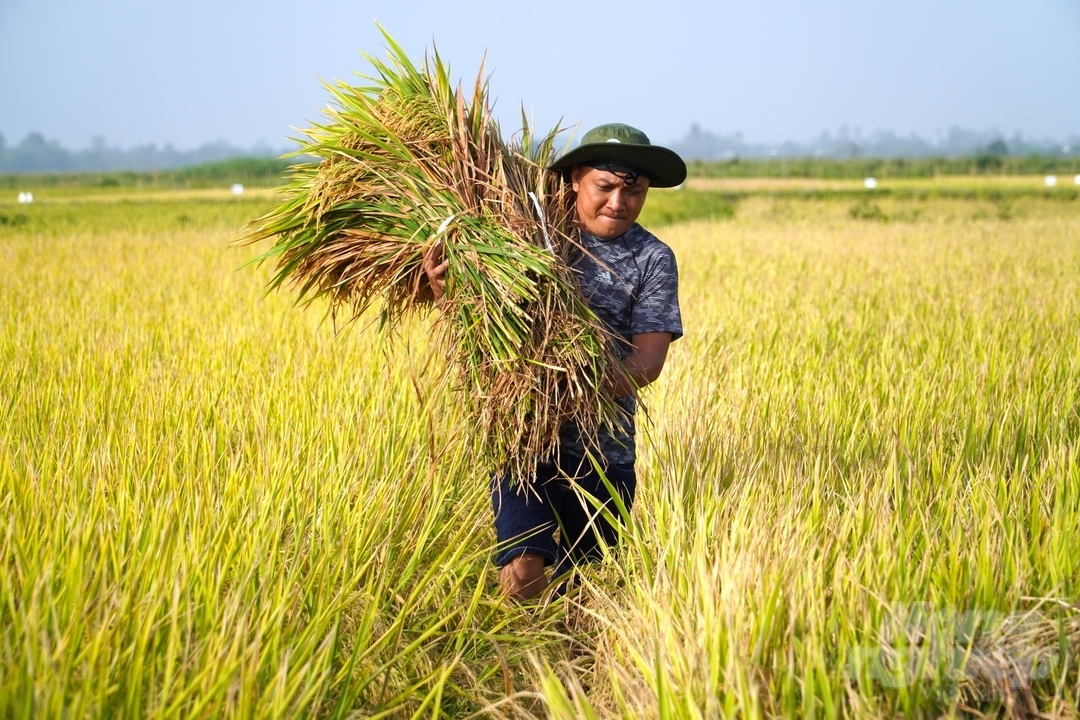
616, 200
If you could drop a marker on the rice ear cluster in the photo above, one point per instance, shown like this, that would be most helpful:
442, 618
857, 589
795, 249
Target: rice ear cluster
407, 162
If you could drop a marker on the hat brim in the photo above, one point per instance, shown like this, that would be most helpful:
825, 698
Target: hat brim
663, 167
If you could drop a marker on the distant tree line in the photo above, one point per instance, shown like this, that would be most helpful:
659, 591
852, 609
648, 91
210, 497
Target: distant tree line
273, 172
699, 144
47, 163
35, 154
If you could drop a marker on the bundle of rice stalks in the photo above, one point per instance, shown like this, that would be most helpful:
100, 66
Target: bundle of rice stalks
407, 162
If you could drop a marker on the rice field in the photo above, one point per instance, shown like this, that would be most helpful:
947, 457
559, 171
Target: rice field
859, 487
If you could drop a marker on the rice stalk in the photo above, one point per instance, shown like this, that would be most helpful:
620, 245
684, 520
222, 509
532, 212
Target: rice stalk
407, 163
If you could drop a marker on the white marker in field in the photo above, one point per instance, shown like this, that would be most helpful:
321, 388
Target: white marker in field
1078, 179
1050, 181
26, 197
870, 183
237, 189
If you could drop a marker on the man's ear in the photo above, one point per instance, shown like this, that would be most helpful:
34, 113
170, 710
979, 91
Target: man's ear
575, 177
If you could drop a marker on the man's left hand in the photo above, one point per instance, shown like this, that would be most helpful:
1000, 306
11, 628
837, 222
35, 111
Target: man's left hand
435, 264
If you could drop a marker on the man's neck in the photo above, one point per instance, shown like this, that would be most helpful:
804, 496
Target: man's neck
596, 238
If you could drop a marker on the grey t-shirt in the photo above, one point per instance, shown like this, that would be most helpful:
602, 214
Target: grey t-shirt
632, 284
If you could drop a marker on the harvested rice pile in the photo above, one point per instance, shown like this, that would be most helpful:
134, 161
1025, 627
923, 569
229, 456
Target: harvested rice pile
407, 162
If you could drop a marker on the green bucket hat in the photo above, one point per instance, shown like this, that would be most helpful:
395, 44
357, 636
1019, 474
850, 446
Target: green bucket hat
620, 143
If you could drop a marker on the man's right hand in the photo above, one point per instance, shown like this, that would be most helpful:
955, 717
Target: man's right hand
435, 264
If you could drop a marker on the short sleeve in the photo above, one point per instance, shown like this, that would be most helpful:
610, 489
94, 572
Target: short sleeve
656, 308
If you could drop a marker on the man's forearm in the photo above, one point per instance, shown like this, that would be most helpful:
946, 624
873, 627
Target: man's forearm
637, 376
644, 364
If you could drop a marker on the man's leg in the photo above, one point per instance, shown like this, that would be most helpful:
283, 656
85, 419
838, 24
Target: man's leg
525, 525
523, 577
583, 527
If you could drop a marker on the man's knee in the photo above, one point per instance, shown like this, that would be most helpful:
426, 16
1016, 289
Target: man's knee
523, 576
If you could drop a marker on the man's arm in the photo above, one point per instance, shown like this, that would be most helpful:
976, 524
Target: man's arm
645, 361
643, 364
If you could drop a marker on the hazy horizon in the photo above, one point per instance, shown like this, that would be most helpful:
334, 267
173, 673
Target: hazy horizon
945, 140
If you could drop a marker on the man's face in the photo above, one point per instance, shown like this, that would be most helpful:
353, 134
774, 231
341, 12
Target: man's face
606, 206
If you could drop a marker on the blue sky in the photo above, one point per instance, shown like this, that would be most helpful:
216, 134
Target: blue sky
149, 71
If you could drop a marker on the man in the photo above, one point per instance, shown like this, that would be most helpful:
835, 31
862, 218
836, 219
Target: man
630, 279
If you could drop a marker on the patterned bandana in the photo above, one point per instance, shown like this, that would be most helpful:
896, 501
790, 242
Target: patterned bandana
628, 173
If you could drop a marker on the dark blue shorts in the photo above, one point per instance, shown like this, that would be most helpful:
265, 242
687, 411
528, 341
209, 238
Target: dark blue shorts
527, 523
